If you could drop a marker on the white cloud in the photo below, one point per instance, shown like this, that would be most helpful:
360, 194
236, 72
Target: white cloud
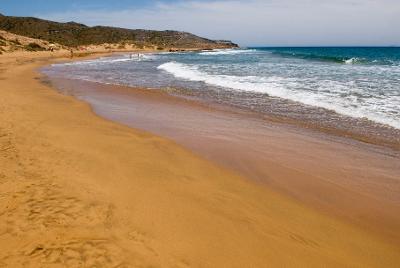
258, 22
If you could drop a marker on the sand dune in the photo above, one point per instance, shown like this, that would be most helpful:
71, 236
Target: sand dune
80, 191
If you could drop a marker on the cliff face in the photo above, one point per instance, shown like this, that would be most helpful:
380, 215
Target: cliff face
74, 34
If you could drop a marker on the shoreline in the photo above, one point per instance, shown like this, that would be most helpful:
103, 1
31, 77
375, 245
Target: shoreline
386, 147
350, 135
391, 141
80, 190
262, 107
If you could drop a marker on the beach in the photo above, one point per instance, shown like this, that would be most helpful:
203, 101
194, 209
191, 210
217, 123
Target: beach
89, 186
338, 175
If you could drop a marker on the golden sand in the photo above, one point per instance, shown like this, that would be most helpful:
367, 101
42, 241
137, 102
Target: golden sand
79, 191
355, 181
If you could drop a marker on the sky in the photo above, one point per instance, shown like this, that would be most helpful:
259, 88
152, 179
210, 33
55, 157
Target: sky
249, 23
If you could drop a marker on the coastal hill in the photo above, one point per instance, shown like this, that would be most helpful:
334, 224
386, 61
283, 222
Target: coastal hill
74, 34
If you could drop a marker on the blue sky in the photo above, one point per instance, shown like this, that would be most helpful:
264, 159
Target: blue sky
250, 22
30, 7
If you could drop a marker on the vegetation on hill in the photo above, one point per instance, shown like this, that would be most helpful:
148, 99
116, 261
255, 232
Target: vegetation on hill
74, 34
10, 42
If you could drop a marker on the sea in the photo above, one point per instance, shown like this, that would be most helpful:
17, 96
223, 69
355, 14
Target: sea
350, 89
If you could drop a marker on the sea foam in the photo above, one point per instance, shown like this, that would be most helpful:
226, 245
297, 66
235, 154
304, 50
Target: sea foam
328, 96
226, 52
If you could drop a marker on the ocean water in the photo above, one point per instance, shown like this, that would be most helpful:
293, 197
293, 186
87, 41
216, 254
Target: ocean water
348, 88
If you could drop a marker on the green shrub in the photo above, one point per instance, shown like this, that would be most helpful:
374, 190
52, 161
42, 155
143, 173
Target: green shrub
2, 43
34, 47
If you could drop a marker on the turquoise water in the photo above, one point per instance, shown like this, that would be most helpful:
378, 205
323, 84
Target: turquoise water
337, 86
360, 55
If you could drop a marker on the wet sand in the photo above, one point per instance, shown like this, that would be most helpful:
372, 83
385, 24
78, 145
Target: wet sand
356, 181
77, 190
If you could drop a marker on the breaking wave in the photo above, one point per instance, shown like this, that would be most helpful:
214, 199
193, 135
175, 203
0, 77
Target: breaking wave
226, 52
328, 97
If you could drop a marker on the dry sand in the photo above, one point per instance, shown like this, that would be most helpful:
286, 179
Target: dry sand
79, 191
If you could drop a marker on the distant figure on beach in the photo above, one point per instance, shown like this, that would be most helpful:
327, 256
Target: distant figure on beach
72, 53
52, 47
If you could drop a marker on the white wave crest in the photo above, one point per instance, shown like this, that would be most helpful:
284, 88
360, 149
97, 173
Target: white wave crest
226, 52
351, 61
286, 88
